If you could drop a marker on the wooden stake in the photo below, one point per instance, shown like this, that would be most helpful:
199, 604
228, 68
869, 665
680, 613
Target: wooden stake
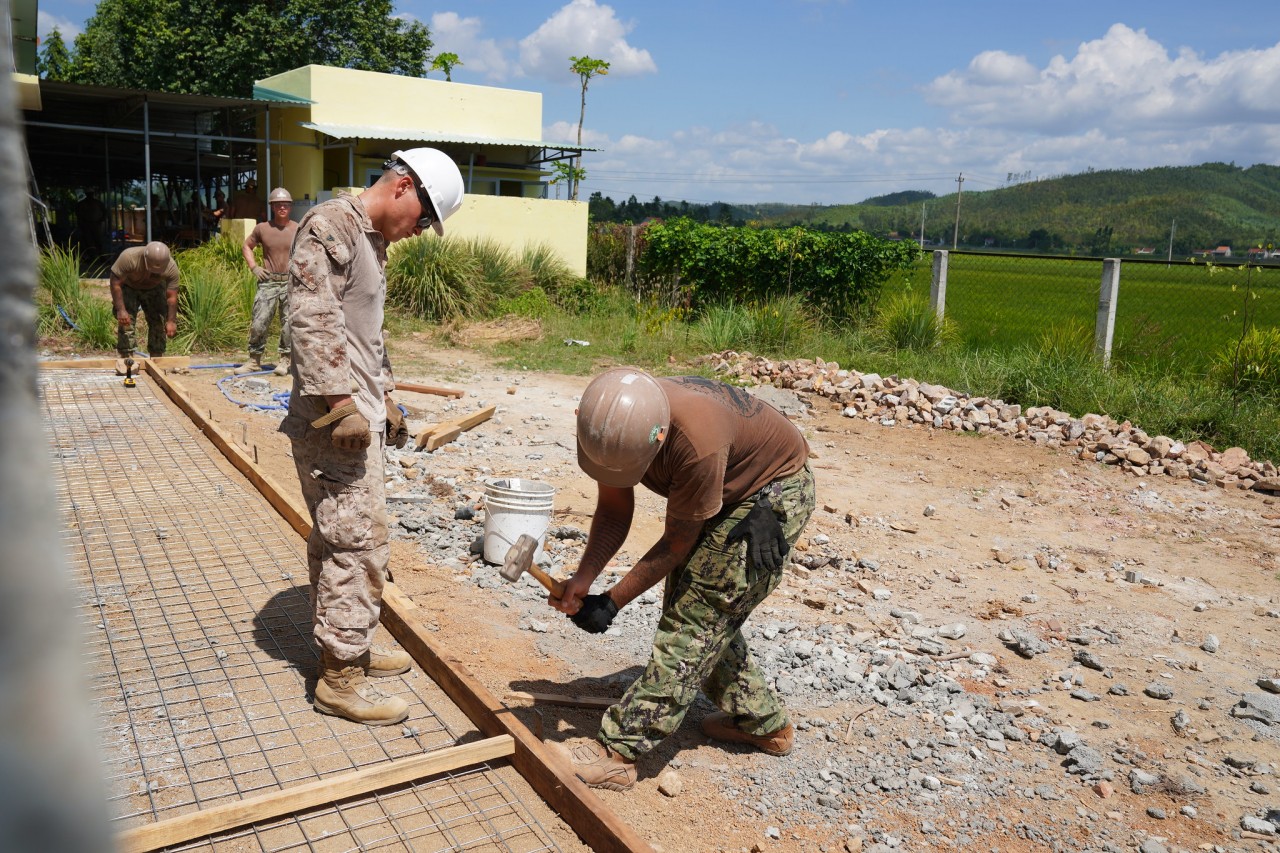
597, 702
430, 389
452, 429
216, 819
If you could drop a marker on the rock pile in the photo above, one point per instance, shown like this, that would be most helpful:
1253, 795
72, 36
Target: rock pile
891, 401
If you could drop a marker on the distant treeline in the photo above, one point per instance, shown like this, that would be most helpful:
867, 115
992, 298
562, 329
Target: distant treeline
1119, 211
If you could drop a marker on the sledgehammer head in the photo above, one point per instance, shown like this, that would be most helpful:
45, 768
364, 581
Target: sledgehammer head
519, 557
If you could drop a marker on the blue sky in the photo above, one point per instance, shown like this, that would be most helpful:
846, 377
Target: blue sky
833, 101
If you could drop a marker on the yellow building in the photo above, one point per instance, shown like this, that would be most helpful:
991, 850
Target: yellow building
343, 124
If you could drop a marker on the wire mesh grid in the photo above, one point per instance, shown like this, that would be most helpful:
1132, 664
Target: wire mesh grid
200, 652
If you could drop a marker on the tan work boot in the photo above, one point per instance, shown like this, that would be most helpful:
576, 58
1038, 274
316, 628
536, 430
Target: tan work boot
597, 765
384, 662
282, 366
343, 691
121, 367
253, 365
719, 726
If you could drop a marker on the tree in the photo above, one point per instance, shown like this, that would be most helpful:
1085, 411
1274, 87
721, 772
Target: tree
586, 68
567, 173
54, 60
219, 47
446, 62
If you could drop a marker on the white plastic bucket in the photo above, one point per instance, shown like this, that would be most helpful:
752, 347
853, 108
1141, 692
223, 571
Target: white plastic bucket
514, 506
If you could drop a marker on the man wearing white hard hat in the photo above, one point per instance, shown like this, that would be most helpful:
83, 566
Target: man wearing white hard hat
275, 236
341, 415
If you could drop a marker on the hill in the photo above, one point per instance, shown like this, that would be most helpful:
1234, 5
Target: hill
1214, 204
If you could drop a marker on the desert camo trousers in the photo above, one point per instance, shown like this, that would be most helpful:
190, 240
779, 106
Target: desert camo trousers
347, 550
154, 304
272, 298
699, 640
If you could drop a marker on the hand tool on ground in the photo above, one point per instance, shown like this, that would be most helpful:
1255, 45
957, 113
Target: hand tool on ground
129, 381
519, 560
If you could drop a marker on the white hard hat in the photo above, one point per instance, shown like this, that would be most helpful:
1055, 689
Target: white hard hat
440, 177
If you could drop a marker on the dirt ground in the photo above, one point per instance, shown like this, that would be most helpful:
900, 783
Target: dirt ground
1015, 536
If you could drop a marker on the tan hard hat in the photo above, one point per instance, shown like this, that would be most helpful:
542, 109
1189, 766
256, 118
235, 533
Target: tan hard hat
279, 194
623, 419
156, 255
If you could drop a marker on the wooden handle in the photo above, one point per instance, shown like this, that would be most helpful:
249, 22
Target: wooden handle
555, 587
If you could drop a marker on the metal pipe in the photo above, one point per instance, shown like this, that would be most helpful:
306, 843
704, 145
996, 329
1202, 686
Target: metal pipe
159, 134
146, 159
266, 185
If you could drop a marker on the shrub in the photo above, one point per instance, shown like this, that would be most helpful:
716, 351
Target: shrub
907, 321
209, 311
502, 275
435, 279
97, 322
531, 303
546, 269
780, 325
726, 326
1252, 364
60, 277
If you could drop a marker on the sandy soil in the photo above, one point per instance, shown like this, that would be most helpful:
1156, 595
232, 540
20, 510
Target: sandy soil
1017, 536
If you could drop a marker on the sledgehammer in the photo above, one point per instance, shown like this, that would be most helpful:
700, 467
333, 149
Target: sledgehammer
519, 560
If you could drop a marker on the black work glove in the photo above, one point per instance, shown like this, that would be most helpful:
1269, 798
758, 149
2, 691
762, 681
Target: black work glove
596, 613
768, 546
397, 431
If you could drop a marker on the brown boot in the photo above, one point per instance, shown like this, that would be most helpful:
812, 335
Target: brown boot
253, 365
343, 691
597, 765
385, 662
720, 727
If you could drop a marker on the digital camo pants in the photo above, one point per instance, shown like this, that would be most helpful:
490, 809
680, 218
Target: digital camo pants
347, 551
154, 305
699, 640
272, 298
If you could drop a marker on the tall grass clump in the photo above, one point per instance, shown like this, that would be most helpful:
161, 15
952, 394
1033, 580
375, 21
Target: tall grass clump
1067, 339
906, 321
221, 256
725, 326
96, 322
502, 275
546, 269
209, 311
435, 279
1251, 365
782, 324
59, 279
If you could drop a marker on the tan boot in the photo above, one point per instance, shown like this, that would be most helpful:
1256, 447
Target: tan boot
253, 365
720, 727
343, 691
385, 662
597, 765
121, 367
282, 366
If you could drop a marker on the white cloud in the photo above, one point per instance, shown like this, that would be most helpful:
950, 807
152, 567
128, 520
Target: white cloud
483, 56
1123, 82
582, 27
46, 22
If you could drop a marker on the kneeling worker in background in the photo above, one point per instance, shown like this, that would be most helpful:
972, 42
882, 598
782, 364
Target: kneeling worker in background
739, 492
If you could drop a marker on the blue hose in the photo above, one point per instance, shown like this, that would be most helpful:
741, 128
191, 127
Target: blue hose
65, 317
214, 366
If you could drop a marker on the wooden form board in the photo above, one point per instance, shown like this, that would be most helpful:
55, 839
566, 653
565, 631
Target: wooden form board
581, 809
217, 819
438, 390
438, 435
166, 361
595, 702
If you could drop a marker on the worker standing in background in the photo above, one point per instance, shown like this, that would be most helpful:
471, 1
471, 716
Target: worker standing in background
246, 204
739, 492
146, 278
275, 236
340, 415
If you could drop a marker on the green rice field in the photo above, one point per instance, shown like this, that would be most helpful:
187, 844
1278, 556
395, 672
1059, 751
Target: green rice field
1181, 314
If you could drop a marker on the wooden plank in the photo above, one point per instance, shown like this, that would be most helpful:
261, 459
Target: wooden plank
163, 361
376, 777
297, 516
456, 426
438, 390
595, 702
581, 809
594, 822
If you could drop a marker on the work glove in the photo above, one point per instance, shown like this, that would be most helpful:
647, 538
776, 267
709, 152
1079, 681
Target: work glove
767, 547
596, 613
260, 273
397, 431
351, 432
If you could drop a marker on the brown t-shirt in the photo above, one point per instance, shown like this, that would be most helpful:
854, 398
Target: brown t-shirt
131, 269
724, 446
276, 244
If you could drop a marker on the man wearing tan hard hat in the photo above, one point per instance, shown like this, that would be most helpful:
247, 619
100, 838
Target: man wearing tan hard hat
144, 278
739, 492
275, 236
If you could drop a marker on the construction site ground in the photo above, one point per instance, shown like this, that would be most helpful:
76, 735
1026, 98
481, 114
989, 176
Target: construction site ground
933, 529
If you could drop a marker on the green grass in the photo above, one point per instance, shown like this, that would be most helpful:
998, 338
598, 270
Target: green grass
1178, 316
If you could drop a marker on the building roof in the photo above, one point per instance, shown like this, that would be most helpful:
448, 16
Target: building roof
350, 131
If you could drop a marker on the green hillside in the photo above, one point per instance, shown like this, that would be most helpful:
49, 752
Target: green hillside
1117, 211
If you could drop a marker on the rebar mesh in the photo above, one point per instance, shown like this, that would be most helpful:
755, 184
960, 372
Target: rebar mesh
199, 649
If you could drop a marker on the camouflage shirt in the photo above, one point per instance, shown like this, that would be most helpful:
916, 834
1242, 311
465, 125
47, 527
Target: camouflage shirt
337, 287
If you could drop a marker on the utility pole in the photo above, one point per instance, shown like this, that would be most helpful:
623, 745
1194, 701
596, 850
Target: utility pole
955, 236
922, 204
1172, 230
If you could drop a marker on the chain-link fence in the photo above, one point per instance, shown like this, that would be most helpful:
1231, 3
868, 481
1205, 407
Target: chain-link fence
1182, 312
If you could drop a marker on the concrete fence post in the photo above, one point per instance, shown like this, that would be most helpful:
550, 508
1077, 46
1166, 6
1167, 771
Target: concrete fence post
938, 286
1105, 329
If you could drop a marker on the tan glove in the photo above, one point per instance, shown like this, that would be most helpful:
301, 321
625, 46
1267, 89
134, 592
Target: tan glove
350, 428
260, 273
397, 431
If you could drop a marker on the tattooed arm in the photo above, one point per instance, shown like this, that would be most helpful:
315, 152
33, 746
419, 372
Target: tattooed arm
609, 527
